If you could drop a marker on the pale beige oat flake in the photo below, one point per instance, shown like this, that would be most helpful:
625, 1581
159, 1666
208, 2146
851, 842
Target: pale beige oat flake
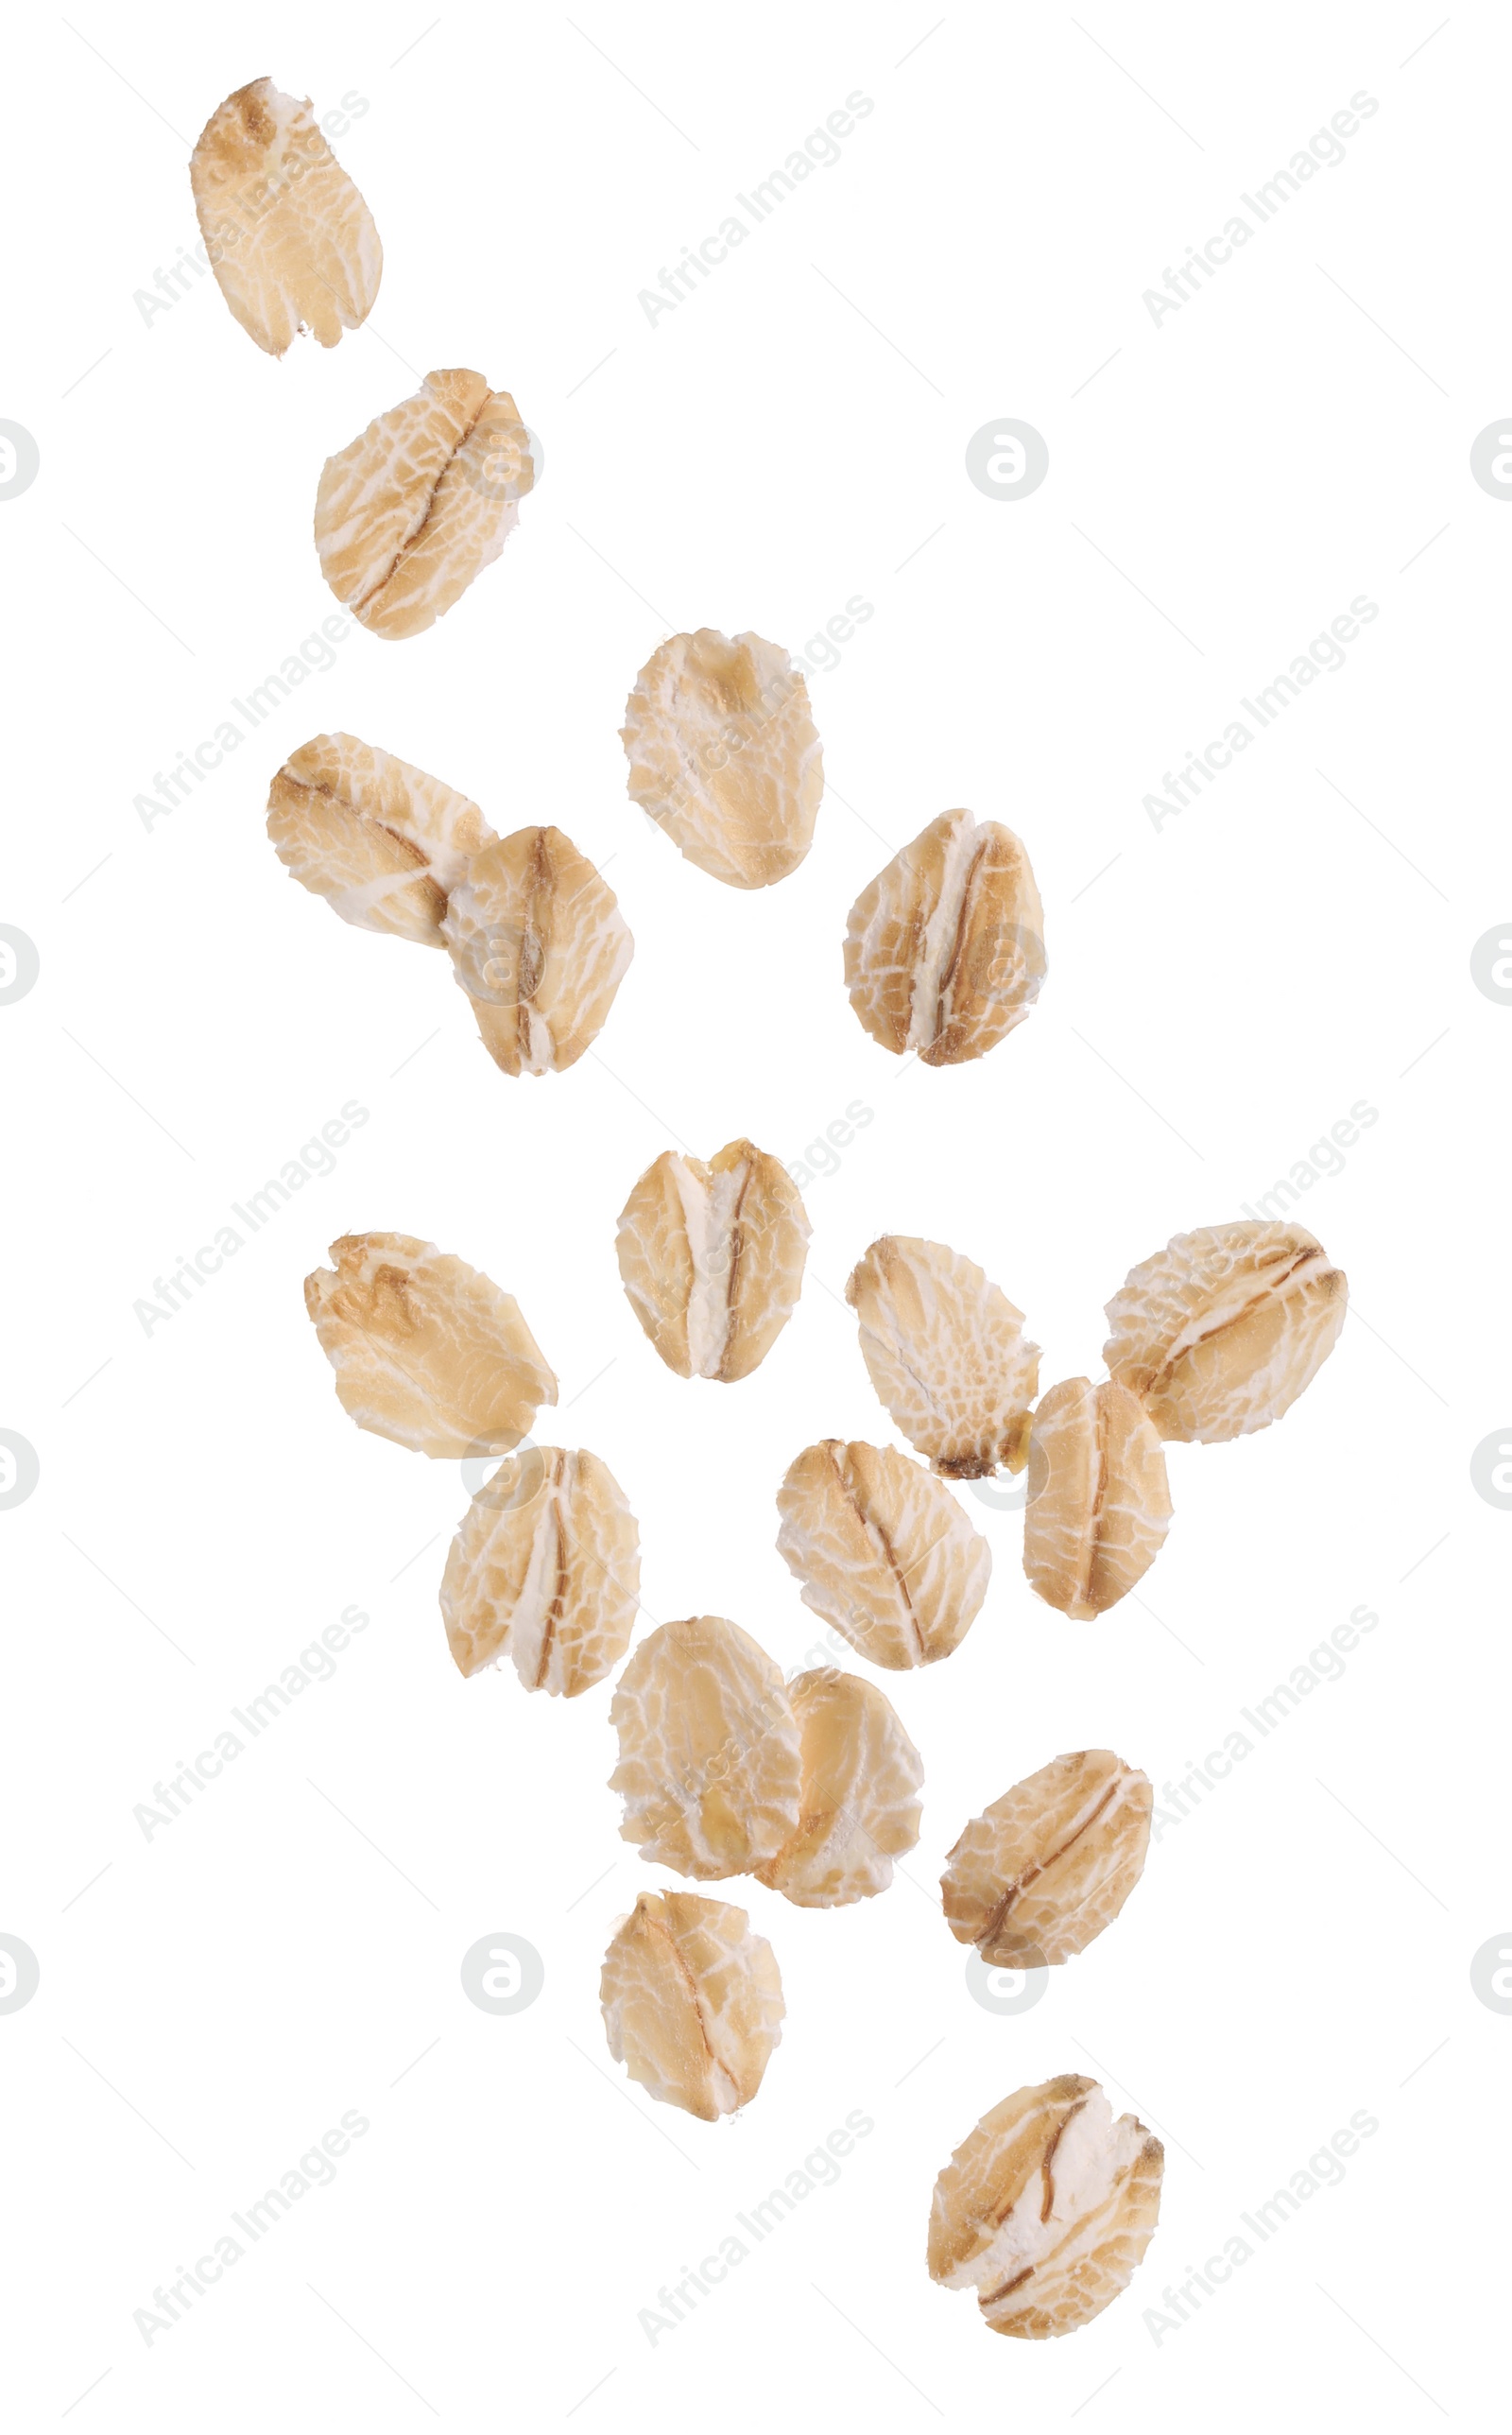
418, 504
883, 1551
858, 1804
1046, 2208
545, 1571
426, 1351
1051, 1864
723, 754
290, 240
947, 1354
1099, 1502
383, 843
539, 946
693, 2002
711, 1259
709, 1762
945, 954
1219, 1333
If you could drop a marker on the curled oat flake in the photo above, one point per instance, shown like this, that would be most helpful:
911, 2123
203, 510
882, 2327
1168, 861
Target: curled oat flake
692, 2002
383, 843
711, 1259
1046, 1868
723, 754
290, 240
545, 1571
426, 1351
1218, 1334
858, 1804
1099, 1504
710, 1756
421, 502
944, 954
947, 1354
883, 1551
1046, 2208
539, 946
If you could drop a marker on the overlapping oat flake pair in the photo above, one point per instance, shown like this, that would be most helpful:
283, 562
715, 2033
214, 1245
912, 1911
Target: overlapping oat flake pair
538, 943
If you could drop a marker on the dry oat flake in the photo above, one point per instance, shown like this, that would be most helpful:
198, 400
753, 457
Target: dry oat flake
545, 1571
409, 514
1051, 1864
383, 843
711, 1259
724, 755
290, 240
426, 1351
882, 1550
1046, 2208
692, 2002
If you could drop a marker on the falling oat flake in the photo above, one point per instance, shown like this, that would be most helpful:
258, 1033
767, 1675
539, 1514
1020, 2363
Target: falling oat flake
290, 240
692, 2002
409, 514
383, 843
426, 1351
545, 1571
1046, 2208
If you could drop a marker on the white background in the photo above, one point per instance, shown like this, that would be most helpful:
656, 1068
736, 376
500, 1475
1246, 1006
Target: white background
1221, 989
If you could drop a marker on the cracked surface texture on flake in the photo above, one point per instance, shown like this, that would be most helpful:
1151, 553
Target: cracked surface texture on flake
710, 1764
421, 502
1099, 1501
883, 1551
858, 1803
724, 755
545, 1571
945, 954
426, 1351
711, 1259
290, 241
539, 946
1046, 2208
947, 1354
383, 843
693, 2002
1046, 1868
1219, 1334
